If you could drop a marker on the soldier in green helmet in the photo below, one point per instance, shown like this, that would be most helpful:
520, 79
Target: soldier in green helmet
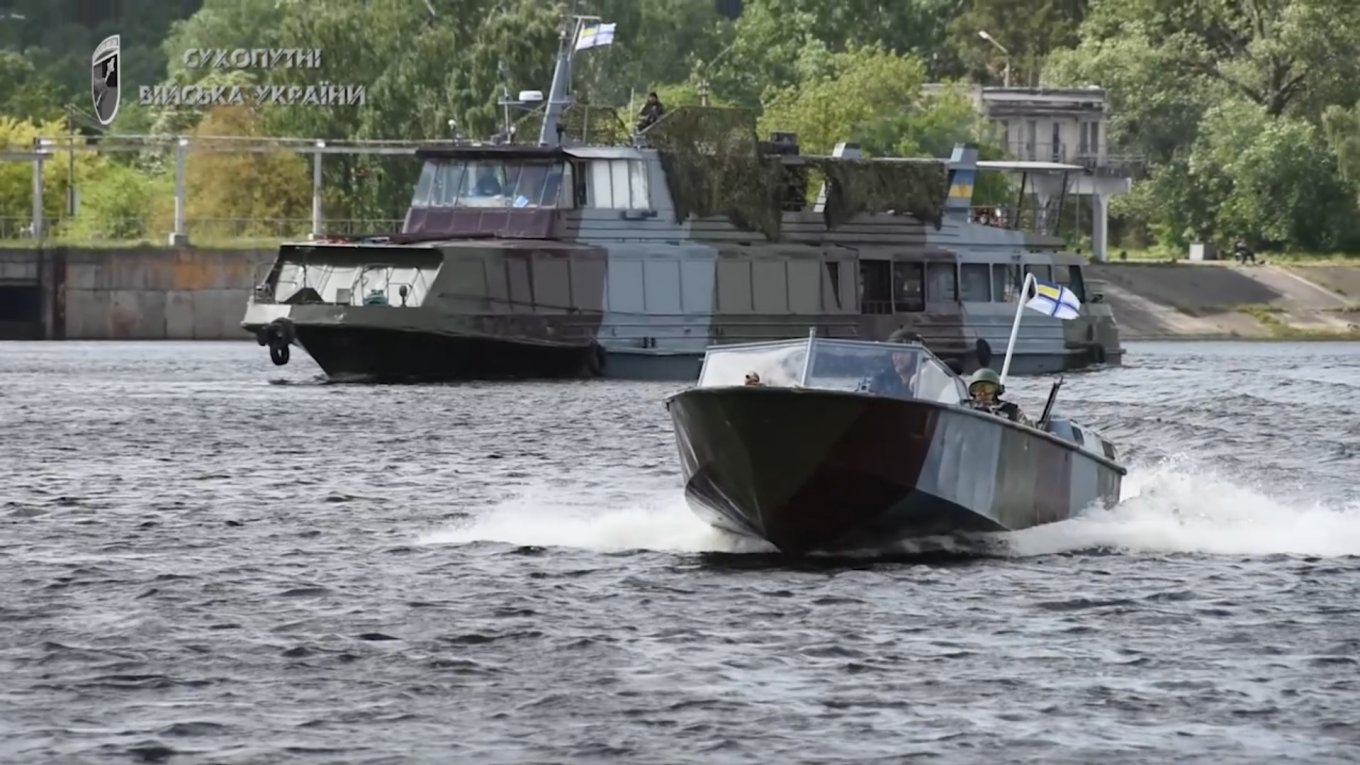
985, 389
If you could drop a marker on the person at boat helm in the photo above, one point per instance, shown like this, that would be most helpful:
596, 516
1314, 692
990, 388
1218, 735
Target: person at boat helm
488, 185
900, 377
651, 112
985, 389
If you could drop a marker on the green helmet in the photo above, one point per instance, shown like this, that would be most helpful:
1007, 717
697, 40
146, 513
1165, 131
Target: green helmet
984, 375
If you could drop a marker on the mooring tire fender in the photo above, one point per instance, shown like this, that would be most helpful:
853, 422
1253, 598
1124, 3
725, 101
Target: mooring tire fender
281, 330
279, 353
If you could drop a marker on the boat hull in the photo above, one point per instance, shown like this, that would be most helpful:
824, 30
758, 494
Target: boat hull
381, 355
827, 471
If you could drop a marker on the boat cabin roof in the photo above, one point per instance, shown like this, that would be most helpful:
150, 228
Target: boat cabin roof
1021, 166
903, 370
526, 152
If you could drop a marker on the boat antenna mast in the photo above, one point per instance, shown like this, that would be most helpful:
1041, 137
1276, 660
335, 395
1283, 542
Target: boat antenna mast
558, 96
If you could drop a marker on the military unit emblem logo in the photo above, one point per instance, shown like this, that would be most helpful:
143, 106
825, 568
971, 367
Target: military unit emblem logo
104, 74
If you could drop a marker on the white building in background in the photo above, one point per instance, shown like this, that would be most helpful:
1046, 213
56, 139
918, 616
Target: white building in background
1063, 125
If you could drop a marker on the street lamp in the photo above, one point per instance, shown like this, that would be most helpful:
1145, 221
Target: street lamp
1007, 73
704, 68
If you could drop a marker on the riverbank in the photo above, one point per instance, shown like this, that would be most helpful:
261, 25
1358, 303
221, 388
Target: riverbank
152, 293
1190, 300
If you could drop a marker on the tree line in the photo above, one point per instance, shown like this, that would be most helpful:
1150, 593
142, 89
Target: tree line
1245, 110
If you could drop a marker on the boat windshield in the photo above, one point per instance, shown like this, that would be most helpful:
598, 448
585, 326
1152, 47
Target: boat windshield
902, 371
489, 183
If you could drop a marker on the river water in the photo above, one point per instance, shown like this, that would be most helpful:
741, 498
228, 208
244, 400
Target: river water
204, 558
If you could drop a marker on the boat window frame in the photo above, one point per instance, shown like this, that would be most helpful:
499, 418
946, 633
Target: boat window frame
443, 184
780, 364
611, 173
967, 296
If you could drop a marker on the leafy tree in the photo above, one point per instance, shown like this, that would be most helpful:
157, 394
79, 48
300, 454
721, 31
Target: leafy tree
863, 87
16, 178
23, 93
1027, 29
1342, 129
1269, 52
118, 203
249, 186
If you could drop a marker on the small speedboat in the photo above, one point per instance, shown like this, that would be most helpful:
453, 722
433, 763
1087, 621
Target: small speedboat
789, 441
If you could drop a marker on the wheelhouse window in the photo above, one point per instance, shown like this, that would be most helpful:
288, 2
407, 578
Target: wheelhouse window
1070, 277
974, 286
619, 184
942, 283
909, 287
491, 183
875, 286
1005, 281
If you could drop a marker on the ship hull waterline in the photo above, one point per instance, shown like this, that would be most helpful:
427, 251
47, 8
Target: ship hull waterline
814, 471
383, 355
357, 353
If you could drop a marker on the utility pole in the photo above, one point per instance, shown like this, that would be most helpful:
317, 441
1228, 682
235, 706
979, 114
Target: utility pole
71, 163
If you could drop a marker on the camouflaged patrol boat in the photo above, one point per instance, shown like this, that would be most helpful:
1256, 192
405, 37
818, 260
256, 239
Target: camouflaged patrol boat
629, 256
784, 441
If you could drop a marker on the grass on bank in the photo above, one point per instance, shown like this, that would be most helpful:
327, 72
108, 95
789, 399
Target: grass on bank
1269, 317
1166, 255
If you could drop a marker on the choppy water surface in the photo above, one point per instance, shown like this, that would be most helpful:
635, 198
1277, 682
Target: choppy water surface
204, 558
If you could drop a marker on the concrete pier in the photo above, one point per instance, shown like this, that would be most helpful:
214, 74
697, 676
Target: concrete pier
146, 293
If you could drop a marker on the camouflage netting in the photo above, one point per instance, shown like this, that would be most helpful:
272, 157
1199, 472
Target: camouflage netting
583, 123
713, 167
858, 185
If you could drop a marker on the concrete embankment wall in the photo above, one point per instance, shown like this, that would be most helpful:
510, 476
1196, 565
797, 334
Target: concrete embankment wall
153, 293
145, 293
1191, 300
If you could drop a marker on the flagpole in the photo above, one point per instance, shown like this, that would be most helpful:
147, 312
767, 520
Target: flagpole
1015, 326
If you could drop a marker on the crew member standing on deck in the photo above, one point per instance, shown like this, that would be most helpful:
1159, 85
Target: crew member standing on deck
651, 112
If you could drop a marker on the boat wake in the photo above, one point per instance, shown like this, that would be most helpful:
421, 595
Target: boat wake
648, 519
1170, 507
1179, 506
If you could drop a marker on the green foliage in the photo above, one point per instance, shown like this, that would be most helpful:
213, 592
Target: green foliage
252, 186
1027, 29
114, 204
1342, 129
16, 178
860, 88
1246, 110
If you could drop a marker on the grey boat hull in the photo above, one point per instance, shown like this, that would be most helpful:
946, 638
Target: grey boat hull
835, 472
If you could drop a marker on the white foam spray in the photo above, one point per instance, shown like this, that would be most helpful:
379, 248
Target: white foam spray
649, 519
1179, 506
1172, 507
